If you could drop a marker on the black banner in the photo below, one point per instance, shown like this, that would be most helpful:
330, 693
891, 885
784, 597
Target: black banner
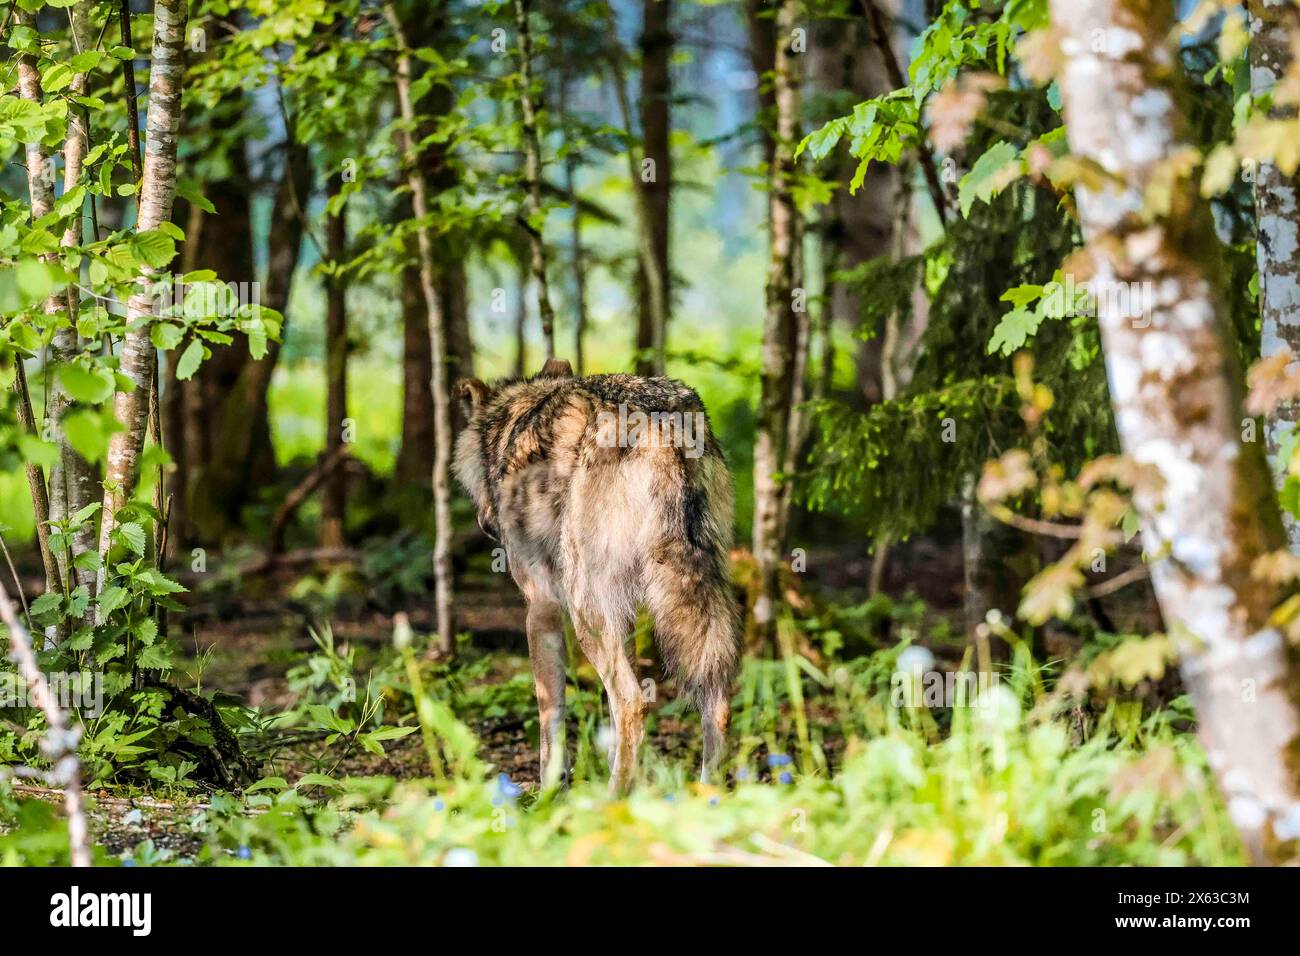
176, 906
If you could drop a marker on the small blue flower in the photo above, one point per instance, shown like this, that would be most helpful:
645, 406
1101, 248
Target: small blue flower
128, 862
742, 774
779, 760
506, 787
786, 777
439, 805
714, 801
669, 797
244, 853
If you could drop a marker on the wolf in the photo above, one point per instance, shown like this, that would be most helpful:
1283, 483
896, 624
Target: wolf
599, 519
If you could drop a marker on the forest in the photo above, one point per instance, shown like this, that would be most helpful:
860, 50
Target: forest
711, 433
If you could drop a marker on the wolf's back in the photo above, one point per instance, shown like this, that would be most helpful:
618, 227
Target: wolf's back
647, 519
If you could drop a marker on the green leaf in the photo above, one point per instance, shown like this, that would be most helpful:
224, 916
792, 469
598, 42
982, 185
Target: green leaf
88, 432
157, 583
98, 272
190, 360
157, 657
37, 452
84, 63
47, 602
1014, 330
78, 601
87, 561
991, 173
188, 190
88, 385
1022, 295
131, 534
146, 631
317, 780
155, 247
268, 783
166, 335
390, 733
112, 598
56, 78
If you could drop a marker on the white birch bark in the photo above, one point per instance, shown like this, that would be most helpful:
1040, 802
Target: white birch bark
157, 192
61, 741
40, 191
1277, 250
72, 480
1176, 390
780, 329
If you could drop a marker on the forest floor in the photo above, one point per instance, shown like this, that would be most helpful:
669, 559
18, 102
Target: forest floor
244, 643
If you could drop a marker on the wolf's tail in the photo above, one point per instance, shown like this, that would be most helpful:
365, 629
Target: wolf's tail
688, 579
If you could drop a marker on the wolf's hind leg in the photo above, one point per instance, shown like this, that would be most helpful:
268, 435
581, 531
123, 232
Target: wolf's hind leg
546, 652
605, 645
715, 713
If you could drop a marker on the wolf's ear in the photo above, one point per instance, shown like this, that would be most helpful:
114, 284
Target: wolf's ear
556, 368
471, 393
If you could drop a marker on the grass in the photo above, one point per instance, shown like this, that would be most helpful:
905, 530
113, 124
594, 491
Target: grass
826, 768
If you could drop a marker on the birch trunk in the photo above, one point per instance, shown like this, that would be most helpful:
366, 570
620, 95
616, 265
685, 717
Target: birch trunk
780, 329
437, 347
533, 174
60, 744
1277, 250
157, 192
1176, 390
73, 480
40, 188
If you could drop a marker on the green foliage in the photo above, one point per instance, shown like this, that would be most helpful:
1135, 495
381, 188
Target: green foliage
1005, 784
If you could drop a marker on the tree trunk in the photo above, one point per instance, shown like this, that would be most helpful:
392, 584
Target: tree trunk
415, 459
577, 254
437, 349
223, 242
73, 481
533, 174
653, 279
157, 192
334, 499
860, 226
521, 318
1277, 250
656, 179
40, 186
780, 329
1176, 391
242, 455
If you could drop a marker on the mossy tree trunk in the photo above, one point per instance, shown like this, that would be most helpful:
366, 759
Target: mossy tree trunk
1277, 215
1176, 390
157, 192
781, 329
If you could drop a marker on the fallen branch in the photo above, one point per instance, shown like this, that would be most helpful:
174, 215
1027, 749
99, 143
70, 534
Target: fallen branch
304, 490
1119, 581
270, 561
60, 744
